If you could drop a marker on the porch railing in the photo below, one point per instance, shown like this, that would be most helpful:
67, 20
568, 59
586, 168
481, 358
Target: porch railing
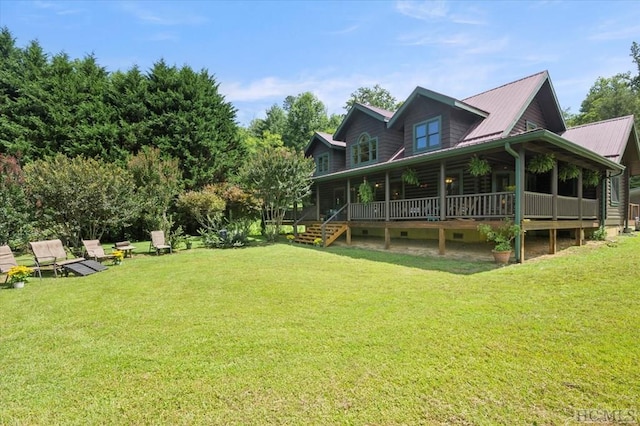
418, 208
490, 205
540, 206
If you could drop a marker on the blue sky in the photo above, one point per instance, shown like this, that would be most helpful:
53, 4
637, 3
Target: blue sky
260, 51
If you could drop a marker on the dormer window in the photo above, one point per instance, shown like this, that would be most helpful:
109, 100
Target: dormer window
426, 135
322, 163
364, 151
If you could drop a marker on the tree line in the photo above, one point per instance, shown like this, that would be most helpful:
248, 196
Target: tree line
85, 152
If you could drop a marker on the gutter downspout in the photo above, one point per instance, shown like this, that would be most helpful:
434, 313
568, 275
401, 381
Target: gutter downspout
518, 195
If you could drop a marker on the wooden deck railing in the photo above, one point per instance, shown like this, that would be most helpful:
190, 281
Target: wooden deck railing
418, 208
490, 205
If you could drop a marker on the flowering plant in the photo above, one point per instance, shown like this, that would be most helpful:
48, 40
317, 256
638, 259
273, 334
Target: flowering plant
291, 237
317, 241
118, 255
19, 273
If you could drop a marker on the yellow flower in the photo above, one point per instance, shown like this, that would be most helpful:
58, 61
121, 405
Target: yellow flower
19, 273
118, 255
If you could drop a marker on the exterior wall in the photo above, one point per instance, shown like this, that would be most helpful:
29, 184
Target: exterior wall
336, 157
425, 109
534, 114
455, 123
463, 235
616, 213
389, 141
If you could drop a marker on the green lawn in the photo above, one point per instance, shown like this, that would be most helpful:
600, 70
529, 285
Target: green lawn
285, 334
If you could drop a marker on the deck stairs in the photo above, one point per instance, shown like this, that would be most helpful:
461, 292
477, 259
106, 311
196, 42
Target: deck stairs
313, 231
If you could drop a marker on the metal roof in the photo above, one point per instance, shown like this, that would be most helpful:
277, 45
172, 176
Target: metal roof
377, 113
325, 138
505, 105
607, 138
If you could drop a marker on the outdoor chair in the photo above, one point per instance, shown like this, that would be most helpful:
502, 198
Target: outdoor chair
158, 243
93, 250
7, 261
51, 255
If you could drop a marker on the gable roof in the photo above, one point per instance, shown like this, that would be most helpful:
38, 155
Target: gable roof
326, 139
438, 97
507, 103
607, 138
377, 113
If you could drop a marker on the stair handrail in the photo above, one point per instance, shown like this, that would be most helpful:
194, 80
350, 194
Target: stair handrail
324, 224
305, 212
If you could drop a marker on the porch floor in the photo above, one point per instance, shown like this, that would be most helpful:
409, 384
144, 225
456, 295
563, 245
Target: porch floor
535, 247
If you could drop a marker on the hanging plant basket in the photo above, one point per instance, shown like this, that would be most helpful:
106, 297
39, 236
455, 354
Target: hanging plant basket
568, 171
541, 163
478, 166
365, 192
411, 177
591, 178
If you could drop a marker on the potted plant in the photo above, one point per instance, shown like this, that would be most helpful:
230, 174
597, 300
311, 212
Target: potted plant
118, 256
19, 275
568, 171
365, 191
502, 236
411, 177
541, 163
591, 178
478, 166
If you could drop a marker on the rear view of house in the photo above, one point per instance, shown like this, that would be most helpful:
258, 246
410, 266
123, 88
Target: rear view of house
439, 166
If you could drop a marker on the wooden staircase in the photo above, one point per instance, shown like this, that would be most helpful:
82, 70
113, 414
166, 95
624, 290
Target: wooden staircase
313, 231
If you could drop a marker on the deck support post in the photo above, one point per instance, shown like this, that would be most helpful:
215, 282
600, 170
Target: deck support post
441, 241
387, 238
579, 236
348, 235
553, 241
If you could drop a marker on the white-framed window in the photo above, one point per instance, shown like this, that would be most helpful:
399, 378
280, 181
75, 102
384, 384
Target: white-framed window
322, 163
426, 135
365, 150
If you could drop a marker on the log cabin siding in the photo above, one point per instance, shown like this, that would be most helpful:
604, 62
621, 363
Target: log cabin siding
534, 114
389, 141
336, 157
616, 211
424, 109
461, 123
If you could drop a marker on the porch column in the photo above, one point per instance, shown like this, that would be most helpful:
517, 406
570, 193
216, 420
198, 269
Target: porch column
554, 191
348, 203
317, 202
387, 196
443, 191
520, 207
579, 231
580, 194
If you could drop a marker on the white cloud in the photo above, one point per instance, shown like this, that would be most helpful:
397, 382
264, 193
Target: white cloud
151, 13
618, 32
439, 10
425, 10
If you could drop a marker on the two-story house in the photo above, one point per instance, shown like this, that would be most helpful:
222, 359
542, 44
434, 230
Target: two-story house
420, 164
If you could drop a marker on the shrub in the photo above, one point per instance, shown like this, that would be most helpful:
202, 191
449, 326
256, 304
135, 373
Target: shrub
599, 234
220, 233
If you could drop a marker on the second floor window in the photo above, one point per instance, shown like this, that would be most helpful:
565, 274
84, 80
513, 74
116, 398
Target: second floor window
322, 163
427, 135
365, 151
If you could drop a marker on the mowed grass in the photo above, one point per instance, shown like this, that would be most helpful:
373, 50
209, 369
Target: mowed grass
284, 334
